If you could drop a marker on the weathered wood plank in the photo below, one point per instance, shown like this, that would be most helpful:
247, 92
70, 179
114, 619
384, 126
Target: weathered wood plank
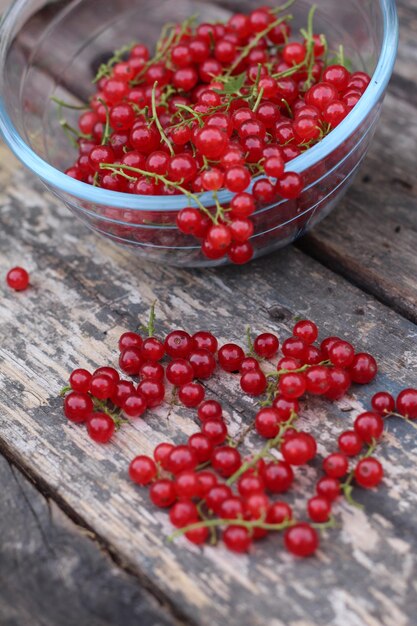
83, 295
54, 572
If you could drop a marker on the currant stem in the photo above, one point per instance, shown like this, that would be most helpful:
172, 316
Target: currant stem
65, 390
216, 522
66, 105
347, 487
155, 118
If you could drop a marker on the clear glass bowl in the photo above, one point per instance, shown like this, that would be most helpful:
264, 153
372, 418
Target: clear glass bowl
52, 48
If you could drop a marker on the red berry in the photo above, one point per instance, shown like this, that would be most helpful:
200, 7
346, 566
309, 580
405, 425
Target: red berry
142, 470
285, 407
341, 354
130, 361
306, 330
210, 409
198, 536
151, 370
231, 508
253, 382
240, 253
108, 371
162, 493
336, 465
383, 403
216, 495
203, 363
328, 488
153, 391
202, 446
267, 422
319, 509
181, 459
339, 383
230, 357
153, 349
79, 380
369, 472
183, 514
100, 427
179, 372
102, 387
290, 185
295, 348
301, 540
278, 513
350, 443
226, 460
249, 483
206, 480
299, 449
178, 344
17, 278
237, 539
130, 340
191, 394
134, 405
369, 426
162, 452
203, 340
292, 386
78, 407
278, 476
363, 369
215, 430
407, 403
317, 379
266, 345
123, 390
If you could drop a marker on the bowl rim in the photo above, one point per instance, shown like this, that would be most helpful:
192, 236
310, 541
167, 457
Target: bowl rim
98, 196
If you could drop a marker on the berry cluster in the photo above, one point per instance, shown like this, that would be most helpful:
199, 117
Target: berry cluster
217, 106
206, 483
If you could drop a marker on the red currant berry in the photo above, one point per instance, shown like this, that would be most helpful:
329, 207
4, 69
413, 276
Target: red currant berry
290, 185
78, 407
183, 514
134, 405
339, 383
298, 450
336, 465
162, 493
210, 409
319, 509
383, 403
215, 430
202, 446
295, 348
203, 340
203, 363
231, 508
328, 488
369, 426
191, 394
266, 345
267, 422
285, 407
363, 369
301, 540
142, 470
253, 382
230, 357
130, 361
152, 370
292, 386
341, 354
181, 459
278, 512
226, 460
161, 454
249, 484
102, 387
350, 443
326, 344
317, 379
278, 476
306, 330
179, 372
17, 278
249, 364
216, 495
153, 349
153, 391
100, 427
178, 344
369, 472
407, 403
79, 380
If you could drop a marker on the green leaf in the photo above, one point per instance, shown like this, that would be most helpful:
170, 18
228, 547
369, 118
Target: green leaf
233, 84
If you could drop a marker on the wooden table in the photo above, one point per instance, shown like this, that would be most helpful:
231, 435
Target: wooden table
79, 543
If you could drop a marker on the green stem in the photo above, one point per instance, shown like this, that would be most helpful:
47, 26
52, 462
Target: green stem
105, 68
107, 129
155, 118
347, 485
169, 183
216, 522
65, 390
258, 100
66, 105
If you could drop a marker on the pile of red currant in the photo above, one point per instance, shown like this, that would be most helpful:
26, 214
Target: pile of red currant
208, 486
217, 106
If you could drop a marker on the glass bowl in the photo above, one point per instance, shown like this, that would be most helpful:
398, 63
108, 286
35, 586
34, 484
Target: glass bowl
52, 48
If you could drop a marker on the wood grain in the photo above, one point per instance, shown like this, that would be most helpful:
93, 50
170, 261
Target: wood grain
54, 572
83, 294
